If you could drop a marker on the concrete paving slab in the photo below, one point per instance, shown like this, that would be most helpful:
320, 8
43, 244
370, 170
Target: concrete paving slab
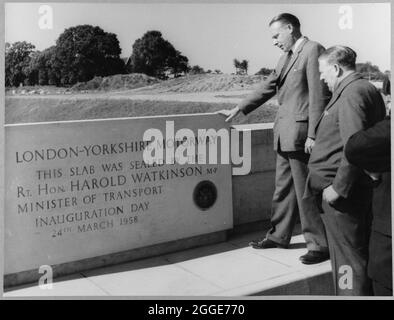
74, 285
243, 240
257, 287
226, 269
150, 277
199, 252
233, 268
316, 269
289, 257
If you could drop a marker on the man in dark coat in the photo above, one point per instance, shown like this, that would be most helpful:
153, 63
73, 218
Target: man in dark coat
386, 90
386, 85
345, 189
370, 150
302, 97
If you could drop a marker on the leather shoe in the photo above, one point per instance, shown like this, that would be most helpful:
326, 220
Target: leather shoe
265, 244
313, 257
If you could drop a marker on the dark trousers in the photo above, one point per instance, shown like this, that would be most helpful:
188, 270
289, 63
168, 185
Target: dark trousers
380, 262
380, 290
288, 203
348, 225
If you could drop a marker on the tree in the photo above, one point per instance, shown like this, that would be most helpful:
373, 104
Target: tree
241, 67
31, 70
84, 51
369, 71
155, 56
17, 59
43, 68
196, 70
237, 65
244, 66
264, 72
178, 64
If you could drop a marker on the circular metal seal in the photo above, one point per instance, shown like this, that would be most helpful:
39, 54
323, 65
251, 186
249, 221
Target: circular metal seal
205, 194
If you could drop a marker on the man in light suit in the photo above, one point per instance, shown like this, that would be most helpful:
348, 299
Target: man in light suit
302, 98
345, 189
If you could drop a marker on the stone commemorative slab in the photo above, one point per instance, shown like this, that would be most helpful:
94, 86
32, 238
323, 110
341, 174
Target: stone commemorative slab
81, 189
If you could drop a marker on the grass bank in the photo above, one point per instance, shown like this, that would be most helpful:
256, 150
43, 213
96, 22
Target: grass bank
23, 110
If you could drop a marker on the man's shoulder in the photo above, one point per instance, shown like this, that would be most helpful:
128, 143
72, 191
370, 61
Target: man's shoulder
312, 48
362, 91
313, 45
360, 86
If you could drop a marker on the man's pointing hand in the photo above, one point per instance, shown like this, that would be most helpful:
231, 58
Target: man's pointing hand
230, 114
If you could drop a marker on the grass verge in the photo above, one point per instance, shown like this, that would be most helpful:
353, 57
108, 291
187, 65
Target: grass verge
22, 110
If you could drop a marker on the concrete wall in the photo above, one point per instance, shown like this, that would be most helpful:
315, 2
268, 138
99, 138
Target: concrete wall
252, 193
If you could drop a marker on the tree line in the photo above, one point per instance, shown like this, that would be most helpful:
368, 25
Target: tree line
83, 52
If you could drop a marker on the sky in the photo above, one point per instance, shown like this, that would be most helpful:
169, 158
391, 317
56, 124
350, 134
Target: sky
212, 35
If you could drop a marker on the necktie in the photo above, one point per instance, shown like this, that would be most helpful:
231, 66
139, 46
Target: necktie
288, 58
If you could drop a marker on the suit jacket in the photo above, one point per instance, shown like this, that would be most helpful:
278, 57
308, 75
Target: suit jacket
370, 150
302, 97
355, 105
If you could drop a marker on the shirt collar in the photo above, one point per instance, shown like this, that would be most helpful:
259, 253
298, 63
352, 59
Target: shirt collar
297, 44
341, 81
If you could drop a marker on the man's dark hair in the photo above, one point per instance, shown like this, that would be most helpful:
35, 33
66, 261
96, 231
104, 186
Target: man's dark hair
287, 18
341, 55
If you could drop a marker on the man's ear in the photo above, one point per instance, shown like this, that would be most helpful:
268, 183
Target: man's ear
338, 70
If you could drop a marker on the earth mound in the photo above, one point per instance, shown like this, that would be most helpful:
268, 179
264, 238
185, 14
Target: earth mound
115, 82
204, 83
